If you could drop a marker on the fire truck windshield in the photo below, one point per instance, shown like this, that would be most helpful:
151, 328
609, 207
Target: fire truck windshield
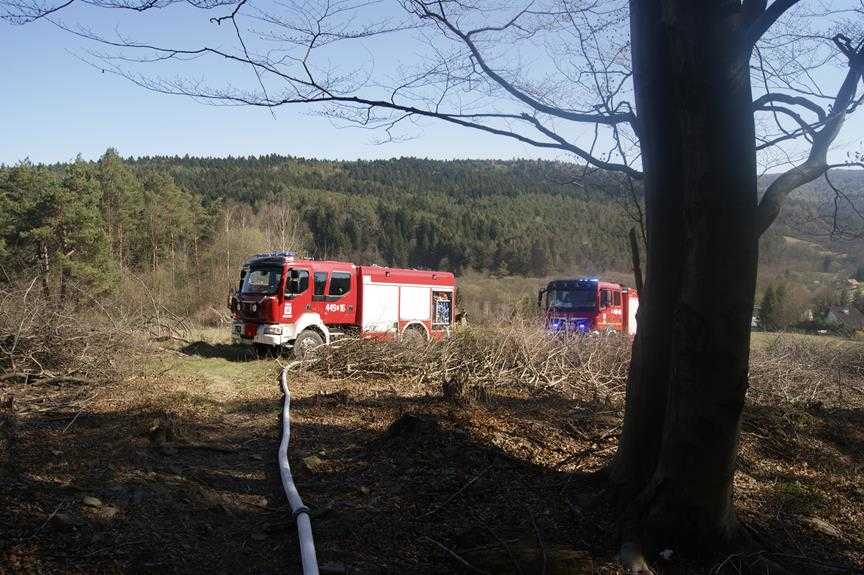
262, 280
572, 299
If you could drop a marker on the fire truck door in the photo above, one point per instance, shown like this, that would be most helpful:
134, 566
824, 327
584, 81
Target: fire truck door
298, 295
319, 295
340, 302
611, 310
616, 311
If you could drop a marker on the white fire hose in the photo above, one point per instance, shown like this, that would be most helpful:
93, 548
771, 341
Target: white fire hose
300, 511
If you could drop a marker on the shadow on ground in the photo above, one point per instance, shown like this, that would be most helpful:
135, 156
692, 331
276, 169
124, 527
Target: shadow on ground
228, 351
395, 484
808, 461
193, 496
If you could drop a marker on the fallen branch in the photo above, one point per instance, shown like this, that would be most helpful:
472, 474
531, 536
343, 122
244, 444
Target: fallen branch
455, 494
455, 555
51, 380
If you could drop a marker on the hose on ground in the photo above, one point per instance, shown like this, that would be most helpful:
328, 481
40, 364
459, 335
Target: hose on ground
300, 511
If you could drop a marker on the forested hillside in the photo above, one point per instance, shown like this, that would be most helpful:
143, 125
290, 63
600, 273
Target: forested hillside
181, 226
522, 217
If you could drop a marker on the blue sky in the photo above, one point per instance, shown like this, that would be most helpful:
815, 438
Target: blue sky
56, 106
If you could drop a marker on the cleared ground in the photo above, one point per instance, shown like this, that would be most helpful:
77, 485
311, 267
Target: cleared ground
173, 470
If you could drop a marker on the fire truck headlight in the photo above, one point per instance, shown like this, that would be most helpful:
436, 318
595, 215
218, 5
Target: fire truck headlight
273, 330
254, 307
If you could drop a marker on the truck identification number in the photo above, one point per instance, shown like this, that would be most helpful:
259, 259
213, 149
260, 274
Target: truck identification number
335, 307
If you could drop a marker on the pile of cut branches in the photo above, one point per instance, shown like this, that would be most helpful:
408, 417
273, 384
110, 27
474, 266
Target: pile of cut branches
793, 369
789, 370
42, 342
515, 355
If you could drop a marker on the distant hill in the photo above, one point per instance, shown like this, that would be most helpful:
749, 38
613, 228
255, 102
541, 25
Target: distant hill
848, 181
820, 228
526, 217
521, 217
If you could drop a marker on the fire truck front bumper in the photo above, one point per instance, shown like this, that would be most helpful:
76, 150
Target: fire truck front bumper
266, 334
581, 325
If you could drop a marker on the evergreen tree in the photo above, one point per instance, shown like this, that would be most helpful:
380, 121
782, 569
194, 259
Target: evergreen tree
767, 310
57, 230
5, 219
80, 232
31, 193
121, 204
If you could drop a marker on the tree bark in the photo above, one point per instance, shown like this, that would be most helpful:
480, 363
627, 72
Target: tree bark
688, 376
45, 264
634, 256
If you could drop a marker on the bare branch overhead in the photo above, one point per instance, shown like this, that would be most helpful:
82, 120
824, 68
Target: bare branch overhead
764, 18
817, 161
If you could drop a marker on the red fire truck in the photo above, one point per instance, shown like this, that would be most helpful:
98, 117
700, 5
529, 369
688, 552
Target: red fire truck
588, 305
285, 301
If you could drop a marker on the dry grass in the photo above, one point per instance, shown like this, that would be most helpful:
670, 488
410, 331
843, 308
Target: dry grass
57, 356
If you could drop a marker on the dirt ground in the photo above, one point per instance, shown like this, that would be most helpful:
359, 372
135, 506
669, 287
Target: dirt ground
173, 470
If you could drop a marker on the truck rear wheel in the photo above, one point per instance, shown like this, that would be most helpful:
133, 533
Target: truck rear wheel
306, 342
414, 336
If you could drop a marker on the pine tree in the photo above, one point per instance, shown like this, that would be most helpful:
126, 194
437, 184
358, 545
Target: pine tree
31, 193
57, 229
121, 204
5, 220
767, 309
80, 232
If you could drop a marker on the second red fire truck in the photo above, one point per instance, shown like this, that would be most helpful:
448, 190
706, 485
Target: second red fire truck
285, 301
588, 305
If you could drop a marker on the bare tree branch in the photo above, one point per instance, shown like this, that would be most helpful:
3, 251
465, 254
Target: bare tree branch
766, 18
791, 100
466, 37
816, 164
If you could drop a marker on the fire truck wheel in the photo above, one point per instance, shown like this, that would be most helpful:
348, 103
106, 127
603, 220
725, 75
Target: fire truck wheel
414, 336
307, 341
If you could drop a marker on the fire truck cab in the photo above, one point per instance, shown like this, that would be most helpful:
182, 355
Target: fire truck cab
283, 301
588, 305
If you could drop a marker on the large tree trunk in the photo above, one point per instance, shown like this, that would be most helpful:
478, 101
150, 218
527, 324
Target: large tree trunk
688, 376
